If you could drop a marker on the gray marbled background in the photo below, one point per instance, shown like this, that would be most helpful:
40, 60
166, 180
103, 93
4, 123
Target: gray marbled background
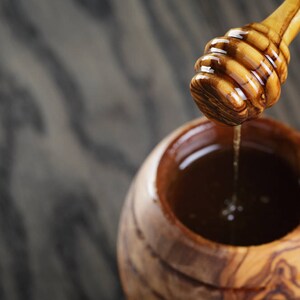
87, 88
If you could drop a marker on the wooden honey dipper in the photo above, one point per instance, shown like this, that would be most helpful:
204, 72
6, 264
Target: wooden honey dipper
240, 74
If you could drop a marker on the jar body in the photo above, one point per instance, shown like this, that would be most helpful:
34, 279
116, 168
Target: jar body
161, 259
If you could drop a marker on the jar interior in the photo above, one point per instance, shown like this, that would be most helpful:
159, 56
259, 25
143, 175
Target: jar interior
195, 182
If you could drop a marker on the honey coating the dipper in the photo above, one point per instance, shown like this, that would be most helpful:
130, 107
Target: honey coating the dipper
241, 73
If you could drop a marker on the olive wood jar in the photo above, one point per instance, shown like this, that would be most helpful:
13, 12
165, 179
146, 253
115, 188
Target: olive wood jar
160, 258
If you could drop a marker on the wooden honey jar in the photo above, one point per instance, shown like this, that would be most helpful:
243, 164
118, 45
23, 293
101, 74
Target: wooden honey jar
162, 257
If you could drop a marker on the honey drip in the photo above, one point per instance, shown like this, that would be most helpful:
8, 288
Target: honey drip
236, 154
232, 206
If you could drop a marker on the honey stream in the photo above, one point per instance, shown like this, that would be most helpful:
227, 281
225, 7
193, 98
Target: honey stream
232, 205
236, 154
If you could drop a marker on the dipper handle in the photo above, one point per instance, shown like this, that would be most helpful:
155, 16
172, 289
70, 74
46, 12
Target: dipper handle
240, 74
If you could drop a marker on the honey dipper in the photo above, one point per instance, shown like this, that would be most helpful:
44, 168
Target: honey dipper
240, 74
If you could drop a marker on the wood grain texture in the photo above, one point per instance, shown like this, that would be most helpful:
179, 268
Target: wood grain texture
240, 74
87, 88
160, 258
